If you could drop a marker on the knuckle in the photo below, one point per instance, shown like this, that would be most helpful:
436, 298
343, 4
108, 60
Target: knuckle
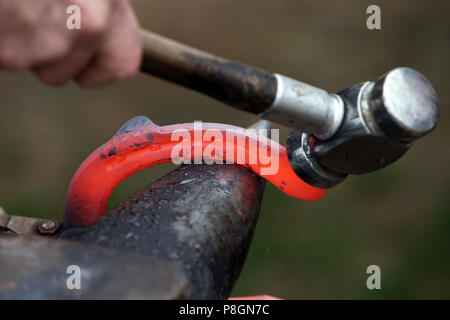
92, 30
127, 71
112, 66
131, 64
119, 3
50, 47
95, 18
51, 77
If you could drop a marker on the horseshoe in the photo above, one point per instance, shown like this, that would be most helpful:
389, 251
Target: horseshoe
140, 144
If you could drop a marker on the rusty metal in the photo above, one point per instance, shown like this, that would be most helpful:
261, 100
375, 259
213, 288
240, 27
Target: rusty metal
34, 267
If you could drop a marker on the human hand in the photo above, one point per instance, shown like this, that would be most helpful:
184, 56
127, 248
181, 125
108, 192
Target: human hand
34, 36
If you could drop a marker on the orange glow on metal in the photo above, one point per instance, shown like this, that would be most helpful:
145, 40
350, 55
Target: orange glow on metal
147, 145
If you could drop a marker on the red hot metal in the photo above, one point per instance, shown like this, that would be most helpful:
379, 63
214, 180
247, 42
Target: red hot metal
140, 144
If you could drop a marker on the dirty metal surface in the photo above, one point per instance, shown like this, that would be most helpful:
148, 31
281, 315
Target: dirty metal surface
33, 267
201, 217
26, 225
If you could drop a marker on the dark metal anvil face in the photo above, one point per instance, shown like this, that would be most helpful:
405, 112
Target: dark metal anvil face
184, 236
33, 267
199, 217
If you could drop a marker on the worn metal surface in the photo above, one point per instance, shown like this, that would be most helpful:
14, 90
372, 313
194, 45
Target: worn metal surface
201, 217
404, 104
33, 267
26, 225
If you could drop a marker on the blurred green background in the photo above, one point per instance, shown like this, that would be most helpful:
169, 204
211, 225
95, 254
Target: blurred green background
398, 218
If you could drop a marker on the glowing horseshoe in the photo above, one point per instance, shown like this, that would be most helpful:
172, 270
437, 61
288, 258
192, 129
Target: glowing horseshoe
140, 144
